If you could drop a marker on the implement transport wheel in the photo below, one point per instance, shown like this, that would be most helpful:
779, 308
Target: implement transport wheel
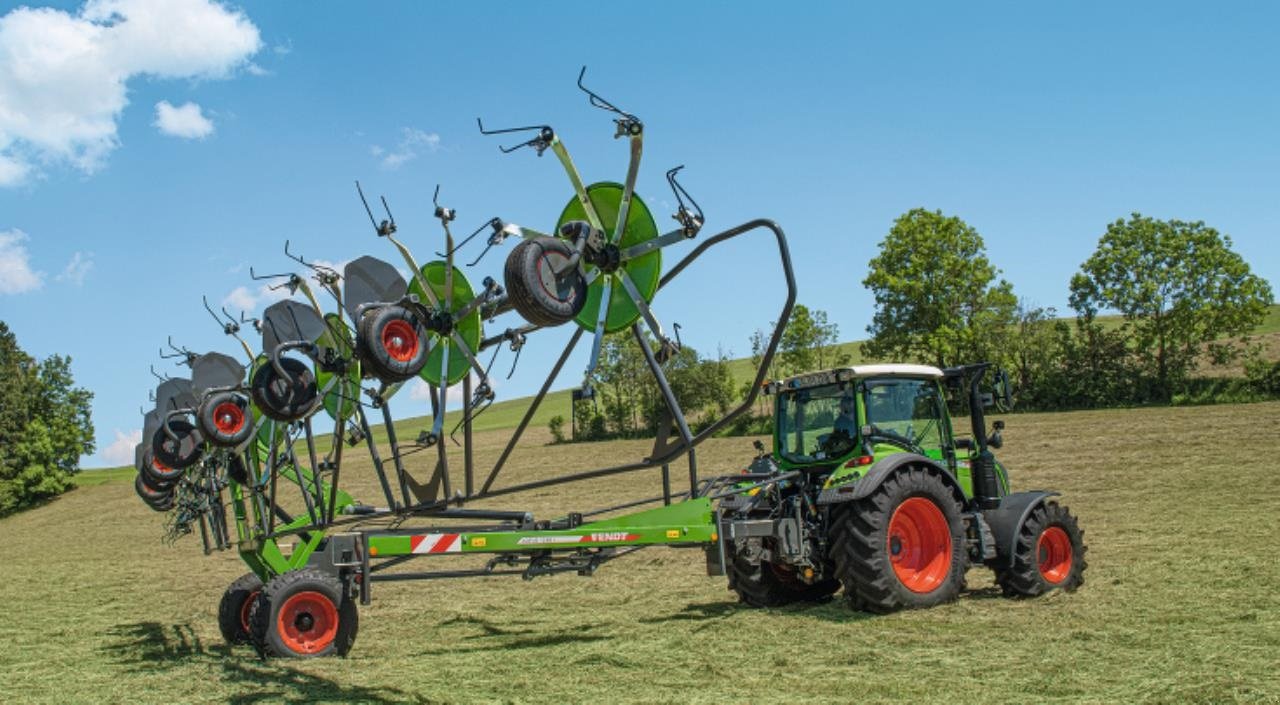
902, 547
392, 343
226, 419
287, 398
1049, 554
773, 585
537, 293
233, 610
303, 614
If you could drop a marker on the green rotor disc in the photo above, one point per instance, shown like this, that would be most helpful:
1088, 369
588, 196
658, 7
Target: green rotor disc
468, 328
645, 270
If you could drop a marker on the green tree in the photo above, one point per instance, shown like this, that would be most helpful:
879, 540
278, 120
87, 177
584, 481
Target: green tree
44, 425
1178, 285
937, 297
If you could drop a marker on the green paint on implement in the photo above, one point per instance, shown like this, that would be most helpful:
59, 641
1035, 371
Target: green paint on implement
468, 327
340, 402
645, 270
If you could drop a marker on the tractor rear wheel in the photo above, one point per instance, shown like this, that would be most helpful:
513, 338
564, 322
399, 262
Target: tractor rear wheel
1049, 554
233, 610
303, 614
901, 547
766, 584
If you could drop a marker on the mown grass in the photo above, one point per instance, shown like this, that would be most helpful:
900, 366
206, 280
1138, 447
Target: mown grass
1179, 605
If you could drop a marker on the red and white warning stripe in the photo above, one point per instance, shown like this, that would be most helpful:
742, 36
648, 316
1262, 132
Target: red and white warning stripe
436, 543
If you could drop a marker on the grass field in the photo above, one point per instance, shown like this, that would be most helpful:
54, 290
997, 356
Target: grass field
1179, 605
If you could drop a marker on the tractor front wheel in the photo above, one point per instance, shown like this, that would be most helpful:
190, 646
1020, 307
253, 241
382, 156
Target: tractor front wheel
303, 614
901, 547
1049, 554
233, 610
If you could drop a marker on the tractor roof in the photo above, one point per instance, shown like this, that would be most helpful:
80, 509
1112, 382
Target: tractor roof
842, 374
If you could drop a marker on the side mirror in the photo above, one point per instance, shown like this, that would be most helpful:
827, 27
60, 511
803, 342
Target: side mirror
758, 445
1003, 392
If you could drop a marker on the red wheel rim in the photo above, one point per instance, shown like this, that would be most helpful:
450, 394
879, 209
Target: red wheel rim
307, 622
244, 610
919, 545
228, 418
1054, 552
400, 341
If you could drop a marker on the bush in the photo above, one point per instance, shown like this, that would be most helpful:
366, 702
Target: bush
556, 426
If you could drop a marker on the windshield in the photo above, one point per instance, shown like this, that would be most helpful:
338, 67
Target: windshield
817, 424
908, 409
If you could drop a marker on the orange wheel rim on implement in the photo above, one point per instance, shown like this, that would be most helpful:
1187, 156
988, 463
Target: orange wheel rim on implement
228, 418
919, 545
307, 622
1053, 550
400, 341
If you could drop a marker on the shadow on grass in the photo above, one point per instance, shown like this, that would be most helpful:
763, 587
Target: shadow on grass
827, 609
498, 638
151, 646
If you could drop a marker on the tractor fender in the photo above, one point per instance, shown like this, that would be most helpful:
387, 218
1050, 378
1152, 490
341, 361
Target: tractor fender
879, 472
1007, 518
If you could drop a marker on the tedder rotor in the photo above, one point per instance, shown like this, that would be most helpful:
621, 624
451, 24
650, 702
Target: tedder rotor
866, 486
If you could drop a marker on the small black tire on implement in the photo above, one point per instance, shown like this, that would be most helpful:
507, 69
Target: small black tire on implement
158, 500
234, 608
1048, 555
226, 419
176, 455
287, 398
770, 585
532, 287
392, 342
304, 614
902, 546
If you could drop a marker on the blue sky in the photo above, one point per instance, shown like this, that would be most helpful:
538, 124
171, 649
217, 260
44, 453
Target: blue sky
151, 151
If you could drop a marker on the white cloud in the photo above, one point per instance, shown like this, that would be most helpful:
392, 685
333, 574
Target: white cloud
16, 274
186, 121
120, 451
413, 142
77, 268
243, 299
64, 76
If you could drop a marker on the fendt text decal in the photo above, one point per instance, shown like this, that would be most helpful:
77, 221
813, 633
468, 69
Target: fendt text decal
603, 537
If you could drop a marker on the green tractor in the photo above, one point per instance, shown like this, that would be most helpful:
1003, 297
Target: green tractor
868, 486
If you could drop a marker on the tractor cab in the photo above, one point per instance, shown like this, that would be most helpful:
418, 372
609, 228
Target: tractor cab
825, 418
842, 421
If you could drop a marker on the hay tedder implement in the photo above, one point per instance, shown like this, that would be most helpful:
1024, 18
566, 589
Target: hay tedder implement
866, 486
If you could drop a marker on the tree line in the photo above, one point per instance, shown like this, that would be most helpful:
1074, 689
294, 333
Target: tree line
44, 425
1175, 295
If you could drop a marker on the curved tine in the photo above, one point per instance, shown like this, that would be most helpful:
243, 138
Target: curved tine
507, 130
435, 198
598, 101
205, 300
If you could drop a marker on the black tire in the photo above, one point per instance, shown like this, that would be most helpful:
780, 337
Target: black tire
532, 288
303, 614
159, 500
233, 609
770, 585
287, 398
1038, 564
863, 547
156, 473
391, 342
226, 419
178, 454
